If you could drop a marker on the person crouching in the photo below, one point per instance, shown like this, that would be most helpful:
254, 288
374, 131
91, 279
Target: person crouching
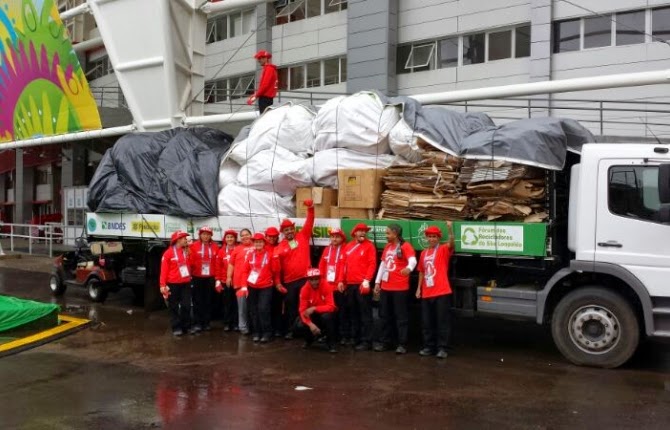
317, 311
175, 283
261, 277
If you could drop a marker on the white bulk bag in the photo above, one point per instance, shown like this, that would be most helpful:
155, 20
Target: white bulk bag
359, 122
237, 200
276, 170
404, 142
325, 164
228, 173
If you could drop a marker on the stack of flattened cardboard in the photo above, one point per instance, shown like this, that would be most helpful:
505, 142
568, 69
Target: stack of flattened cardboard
428, 189
499, 190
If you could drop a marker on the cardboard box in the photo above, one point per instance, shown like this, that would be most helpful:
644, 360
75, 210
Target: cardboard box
323, 198
343, 213
360, 188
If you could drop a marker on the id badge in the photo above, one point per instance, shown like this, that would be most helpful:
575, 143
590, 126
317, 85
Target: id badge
430, 281
205, 269
385, 276
330, 274
183, 271
253, 277
293, 244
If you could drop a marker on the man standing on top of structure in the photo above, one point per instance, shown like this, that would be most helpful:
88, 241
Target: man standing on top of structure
267, 89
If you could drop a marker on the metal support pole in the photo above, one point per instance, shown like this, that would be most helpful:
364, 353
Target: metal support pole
602, 128
11, 238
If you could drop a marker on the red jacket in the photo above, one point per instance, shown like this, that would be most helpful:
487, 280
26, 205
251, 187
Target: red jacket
269, 82
333, 256
170, 264
360, 262
293, 263
321, 298
239, 262
223, 258
201, 255
260, 262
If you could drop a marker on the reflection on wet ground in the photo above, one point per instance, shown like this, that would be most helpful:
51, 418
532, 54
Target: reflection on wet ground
128, 372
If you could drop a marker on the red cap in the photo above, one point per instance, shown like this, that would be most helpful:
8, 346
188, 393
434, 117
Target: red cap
177, 235
313, 273
258, 236
262, 54
433, 230
286, 223
336, 232
272, 231
359, 227
227, 232
205, 229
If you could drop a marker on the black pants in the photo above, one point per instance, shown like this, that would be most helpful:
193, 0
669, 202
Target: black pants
393, 313
229, 307
436, 321
360, 313
179, 306
203, 296
291, 302
325, 322
343, 314
264, 103
260, 303
278, 324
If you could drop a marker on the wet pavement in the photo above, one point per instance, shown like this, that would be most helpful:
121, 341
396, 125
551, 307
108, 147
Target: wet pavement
128, 372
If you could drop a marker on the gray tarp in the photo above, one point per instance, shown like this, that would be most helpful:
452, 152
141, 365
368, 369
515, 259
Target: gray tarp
539, 142
173, 172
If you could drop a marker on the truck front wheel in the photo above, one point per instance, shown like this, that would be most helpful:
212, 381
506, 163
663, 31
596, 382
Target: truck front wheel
593, 326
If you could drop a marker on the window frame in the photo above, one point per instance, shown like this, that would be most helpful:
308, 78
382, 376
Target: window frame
640, 190
431, 57
487, 44
615, 23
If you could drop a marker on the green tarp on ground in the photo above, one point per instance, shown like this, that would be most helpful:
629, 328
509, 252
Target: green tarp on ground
17, 312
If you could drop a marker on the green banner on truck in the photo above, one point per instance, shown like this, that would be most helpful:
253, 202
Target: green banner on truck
472, 237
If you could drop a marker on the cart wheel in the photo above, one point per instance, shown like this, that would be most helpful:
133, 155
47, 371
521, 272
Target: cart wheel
56, 285
96, 291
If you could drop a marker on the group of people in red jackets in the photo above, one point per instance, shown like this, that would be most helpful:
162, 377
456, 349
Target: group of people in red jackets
270, 289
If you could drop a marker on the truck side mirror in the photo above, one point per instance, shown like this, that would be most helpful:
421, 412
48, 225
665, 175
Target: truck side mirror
664, 183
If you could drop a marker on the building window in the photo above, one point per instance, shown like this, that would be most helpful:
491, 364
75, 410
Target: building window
597, 32
314, 74
421, 57
500, 45
223, 90
296, 77
241, 87
282, 77
41, 177
473, 48
295, 10
660, 23
448, 52
630, 28
522, 41
290, 11
566, 36
234, 25
331, 6
343, 69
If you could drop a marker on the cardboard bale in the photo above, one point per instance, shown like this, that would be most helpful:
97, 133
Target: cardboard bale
324, 199
360, 188
341, 213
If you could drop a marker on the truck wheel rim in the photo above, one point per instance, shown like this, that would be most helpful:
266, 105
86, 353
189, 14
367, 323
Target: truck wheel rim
594, 329
53, 284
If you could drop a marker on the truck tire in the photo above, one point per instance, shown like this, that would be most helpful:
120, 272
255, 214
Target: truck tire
596, 327
96, 291
56, 285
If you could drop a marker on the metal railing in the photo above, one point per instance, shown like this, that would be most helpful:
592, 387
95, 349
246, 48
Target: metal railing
109, 96
31, 233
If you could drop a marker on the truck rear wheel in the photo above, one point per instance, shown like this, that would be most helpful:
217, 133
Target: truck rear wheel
593, 326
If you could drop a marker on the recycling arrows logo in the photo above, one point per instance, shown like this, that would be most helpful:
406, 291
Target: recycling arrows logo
92, 225
469, 237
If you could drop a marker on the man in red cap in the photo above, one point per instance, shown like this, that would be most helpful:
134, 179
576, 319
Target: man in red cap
331, 267
223, 259
360, 262
317, 310
267, 90
261, 278
292, 259
202, 256
175, 283
435, 292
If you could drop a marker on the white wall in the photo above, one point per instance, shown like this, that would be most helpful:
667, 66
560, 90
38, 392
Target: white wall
241, 62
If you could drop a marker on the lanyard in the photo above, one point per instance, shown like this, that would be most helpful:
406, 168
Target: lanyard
353, 249
209, 250
395, 251
176, 255
431, 257
263, 263
337, 256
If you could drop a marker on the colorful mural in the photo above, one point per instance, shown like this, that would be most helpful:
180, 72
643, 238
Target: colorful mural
43, 89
